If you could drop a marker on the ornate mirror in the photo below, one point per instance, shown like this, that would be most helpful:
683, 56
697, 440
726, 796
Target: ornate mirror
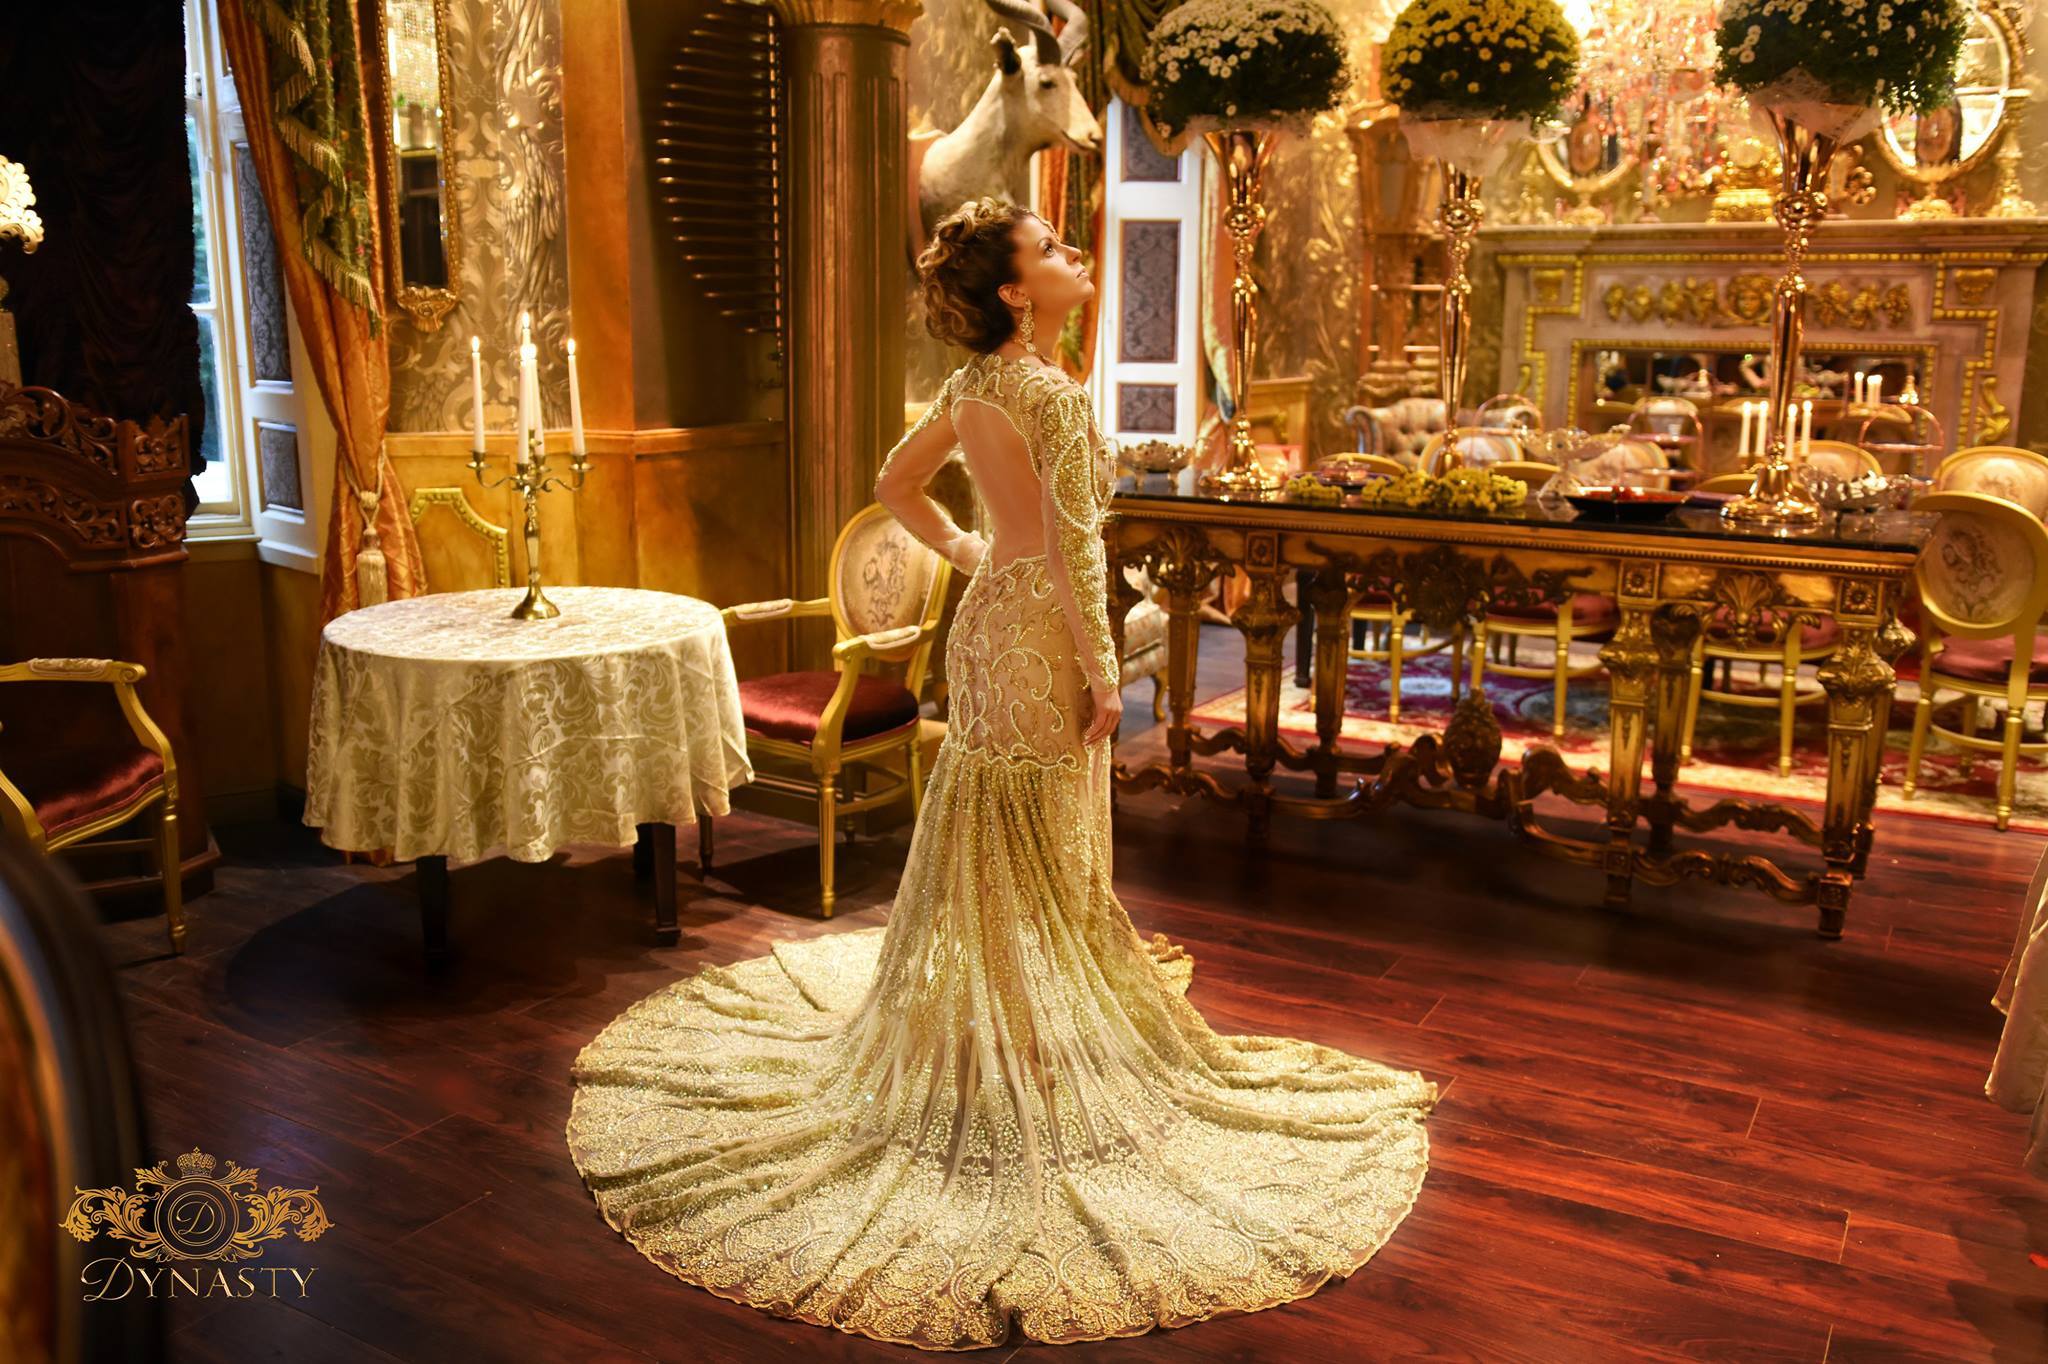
1933, 148
1591, 157
425, 244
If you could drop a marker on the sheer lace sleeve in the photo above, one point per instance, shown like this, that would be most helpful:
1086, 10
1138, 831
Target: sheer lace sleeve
1073, 540
908, 468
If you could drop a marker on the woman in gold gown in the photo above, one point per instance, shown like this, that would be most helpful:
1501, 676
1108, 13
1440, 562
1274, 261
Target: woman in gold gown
998, 1112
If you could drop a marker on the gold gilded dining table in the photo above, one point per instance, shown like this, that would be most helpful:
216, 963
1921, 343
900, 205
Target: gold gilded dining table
1672, 581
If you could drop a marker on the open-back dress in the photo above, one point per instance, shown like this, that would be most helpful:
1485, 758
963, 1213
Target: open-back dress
998, 1113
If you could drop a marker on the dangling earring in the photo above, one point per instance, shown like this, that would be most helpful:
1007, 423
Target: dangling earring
1024, 330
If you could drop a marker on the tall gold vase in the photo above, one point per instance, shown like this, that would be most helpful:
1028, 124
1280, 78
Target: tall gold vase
1459, 216
1243, 155
1802, 203
1468, 149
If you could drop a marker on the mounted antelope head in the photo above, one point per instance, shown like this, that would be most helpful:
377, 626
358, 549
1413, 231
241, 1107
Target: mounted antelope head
1031, 102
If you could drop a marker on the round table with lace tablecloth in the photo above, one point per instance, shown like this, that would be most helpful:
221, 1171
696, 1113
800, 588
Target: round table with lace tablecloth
444, 729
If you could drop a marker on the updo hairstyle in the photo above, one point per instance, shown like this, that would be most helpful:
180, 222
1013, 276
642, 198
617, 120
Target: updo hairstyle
970, 256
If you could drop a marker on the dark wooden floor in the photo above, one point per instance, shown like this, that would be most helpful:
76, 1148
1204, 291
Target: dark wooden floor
1695, 1132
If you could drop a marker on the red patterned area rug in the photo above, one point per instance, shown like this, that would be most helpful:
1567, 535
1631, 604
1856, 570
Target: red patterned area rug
1735, 749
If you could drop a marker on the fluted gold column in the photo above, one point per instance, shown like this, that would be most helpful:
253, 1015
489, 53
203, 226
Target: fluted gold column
846, 63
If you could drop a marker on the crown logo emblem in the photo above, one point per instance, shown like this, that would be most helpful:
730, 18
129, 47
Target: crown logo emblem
195, 1214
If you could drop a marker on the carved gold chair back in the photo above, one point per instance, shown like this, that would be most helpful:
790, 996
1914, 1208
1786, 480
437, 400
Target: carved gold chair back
1840, 459
885, 578
1982, 576
471, 552
2005, 471
1530, 473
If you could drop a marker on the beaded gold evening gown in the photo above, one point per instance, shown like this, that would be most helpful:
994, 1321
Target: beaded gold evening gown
997, 1113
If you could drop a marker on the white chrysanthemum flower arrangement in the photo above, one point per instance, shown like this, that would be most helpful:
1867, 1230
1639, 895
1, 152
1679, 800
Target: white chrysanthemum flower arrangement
1896, 54
1220, 63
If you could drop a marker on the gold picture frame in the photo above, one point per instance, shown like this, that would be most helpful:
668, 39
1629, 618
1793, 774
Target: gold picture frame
427, 303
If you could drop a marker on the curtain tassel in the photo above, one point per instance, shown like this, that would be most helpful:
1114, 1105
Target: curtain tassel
371, 586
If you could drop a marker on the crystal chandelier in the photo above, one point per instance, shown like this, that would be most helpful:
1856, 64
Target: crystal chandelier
1647, 88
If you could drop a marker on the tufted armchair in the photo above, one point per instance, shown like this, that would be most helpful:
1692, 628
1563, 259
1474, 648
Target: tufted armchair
885, 596
1406, 426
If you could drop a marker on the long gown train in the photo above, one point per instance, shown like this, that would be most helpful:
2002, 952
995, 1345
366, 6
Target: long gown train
998, 1112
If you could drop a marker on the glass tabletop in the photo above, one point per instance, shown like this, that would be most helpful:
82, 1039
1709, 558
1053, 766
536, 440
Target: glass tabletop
1699, 518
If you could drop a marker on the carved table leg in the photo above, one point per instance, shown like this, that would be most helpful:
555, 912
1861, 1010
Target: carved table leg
1305, 635
1674, 633
1631, 659
1122, 597
1859, 684
1330, 595
1181, 561
1264, 618
1892, 641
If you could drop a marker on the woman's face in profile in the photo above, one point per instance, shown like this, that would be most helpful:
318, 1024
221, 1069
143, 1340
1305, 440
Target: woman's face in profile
1049, 271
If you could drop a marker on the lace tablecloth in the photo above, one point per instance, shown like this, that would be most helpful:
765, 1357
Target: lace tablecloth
441, 726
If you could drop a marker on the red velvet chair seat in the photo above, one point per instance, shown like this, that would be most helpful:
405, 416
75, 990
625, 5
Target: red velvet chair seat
1589, 610
72, 785
1989, 660
788, 706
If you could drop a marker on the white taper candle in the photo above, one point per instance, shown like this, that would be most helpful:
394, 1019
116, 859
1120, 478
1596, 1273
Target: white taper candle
525, 399
476, 391
575, 405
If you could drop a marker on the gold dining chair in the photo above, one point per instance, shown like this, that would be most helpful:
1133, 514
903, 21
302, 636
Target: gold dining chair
68, 795
885, 594
1794, 643
2000, 470
1583, 615
1785, 644
1474, 447
1840, 459
1983, 586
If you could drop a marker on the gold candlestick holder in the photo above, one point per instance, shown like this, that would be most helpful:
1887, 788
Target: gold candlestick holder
531, 477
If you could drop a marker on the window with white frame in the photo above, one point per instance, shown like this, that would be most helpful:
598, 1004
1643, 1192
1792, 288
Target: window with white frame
256, 478
1148, 380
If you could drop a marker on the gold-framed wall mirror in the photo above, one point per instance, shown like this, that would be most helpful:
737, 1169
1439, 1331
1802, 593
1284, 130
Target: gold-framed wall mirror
1931, 149
1590, 157
415, 93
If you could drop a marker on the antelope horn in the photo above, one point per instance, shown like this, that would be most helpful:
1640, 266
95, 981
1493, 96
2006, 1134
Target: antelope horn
1075, 35
1033, 18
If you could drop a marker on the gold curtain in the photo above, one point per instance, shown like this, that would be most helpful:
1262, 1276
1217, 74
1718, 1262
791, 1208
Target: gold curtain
309, 136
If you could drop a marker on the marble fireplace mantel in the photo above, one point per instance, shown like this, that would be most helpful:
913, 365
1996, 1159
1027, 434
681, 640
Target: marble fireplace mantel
1956, 298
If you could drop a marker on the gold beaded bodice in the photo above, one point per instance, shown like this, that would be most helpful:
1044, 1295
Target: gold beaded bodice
1076, 472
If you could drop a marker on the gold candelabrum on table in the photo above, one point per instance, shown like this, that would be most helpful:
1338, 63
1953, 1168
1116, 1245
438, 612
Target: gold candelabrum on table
530, 459
1806, 145
1243, 155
